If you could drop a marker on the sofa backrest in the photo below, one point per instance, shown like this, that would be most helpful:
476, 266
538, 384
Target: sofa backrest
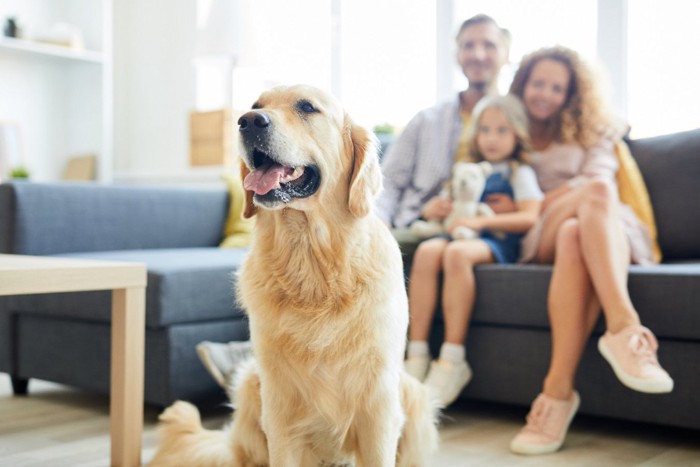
670, 166
53, 218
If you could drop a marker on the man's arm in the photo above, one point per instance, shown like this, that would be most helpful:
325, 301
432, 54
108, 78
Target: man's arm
398, 166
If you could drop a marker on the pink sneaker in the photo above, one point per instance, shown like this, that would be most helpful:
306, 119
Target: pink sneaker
547, 424
632, 355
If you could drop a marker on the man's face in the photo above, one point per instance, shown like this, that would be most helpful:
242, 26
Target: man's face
481, 53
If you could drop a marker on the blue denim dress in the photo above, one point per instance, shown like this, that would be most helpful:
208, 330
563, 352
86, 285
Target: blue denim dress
505, 246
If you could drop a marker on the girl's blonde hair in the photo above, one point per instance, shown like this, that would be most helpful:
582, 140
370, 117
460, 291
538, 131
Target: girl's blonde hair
584, 118
513, 110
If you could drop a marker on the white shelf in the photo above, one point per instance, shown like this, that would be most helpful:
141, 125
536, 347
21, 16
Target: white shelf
22, 45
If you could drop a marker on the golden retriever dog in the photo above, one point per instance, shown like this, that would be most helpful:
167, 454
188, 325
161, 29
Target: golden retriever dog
324, 290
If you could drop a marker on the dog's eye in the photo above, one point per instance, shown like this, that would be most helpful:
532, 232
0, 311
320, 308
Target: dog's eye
306, 107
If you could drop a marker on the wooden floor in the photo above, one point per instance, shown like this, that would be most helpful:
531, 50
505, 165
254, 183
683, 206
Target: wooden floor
58, 426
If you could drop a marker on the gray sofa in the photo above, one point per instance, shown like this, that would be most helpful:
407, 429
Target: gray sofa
65, 338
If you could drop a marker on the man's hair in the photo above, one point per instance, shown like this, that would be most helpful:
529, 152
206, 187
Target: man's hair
485, 19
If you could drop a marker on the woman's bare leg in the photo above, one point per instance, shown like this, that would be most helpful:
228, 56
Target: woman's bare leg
573, 311
423, 287
607, 254
604, 247
459, 287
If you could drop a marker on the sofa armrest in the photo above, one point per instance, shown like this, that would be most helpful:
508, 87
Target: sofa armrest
54, 218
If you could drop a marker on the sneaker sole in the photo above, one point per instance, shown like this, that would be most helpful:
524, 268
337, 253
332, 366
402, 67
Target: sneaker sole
210, 366
632, 382
536, 449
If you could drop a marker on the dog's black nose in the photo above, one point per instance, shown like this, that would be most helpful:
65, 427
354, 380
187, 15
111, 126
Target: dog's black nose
254, 121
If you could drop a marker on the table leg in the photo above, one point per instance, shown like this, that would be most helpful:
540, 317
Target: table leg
127, 373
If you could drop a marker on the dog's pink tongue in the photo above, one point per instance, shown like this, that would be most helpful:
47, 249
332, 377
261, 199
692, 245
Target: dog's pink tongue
264, 179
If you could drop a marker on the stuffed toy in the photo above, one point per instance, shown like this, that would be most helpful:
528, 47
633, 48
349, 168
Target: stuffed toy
465, 189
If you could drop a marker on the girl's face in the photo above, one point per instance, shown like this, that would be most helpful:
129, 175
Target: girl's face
495, 137
545, 90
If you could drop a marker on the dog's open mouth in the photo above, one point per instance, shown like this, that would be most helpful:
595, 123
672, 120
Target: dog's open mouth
272, 181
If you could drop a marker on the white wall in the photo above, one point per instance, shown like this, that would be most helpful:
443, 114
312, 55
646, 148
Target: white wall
153, 87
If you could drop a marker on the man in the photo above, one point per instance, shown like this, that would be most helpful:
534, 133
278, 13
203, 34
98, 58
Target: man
420, 160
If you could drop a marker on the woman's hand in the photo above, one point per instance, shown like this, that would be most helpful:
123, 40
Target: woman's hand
501, 203
437, 208
554, 194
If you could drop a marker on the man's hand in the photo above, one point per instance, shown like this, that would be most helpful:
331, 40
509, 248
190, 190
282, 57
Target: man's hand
437, 208
501, 203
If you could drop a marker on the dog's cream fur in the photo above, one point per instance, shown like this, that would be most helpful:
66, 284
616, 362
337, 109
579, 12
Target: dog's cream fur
324, 290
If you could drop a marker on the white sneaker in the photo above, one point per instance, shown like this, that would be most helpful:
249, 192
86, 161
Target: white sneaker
446, 379
221, 359
417, 366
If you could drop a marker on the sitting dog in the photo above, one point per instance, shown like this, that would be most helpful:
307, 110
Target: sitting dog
324, 291
466, 187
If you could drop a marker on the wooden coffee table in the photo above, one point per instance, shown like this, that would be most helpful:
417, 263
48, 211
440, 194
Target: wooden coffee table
20, 275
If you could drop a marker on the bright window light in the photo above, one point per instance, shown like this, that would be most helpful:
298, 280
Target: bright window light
663, 71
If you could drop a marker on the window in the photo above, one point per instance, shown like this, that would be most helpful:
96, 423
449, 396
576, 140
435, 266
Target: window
387, 67
381, 56
662, 69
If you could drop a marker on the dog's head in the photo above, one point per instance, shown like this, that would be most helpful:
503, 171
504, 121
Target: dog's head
301, 150
469, 180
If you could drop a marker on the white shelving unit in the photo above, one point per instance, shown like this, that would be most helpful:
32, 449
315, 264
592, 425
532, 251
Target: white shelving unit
60, 97
40, 48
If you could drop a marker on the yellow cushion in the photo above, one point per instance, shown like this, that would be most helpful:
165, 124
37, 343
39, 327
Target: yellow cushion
633, 192
238, 230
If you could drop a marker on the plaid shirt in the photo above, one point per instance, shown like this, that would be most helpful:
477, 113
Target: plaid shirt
418, 163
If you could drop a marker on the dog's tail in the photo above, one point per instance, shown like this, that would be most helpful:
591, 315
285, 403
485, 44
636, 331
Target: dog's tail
183, 440
420, 437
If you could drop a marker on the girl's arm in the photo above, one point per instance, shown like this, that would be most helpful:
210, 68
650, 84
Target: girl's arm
519, 221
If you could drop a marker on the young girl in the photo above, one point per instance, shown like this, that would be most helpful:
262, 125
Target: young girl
499, 135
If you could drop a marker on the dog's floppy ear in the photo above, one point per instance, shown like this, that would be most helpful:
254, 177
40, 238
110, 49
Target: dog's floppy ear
249, 208
366, 176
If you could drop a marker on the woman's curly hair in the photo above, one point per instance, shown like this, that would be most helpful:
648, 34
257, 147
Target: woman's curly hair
584, 118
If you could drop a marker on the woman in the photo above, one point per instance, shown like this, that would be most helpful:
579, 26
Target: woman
588, 235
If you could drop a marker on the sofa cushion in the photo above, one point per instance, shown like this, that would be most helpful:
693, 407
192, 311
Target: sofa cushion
670, 166
666, 297
184, 285
55, 218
